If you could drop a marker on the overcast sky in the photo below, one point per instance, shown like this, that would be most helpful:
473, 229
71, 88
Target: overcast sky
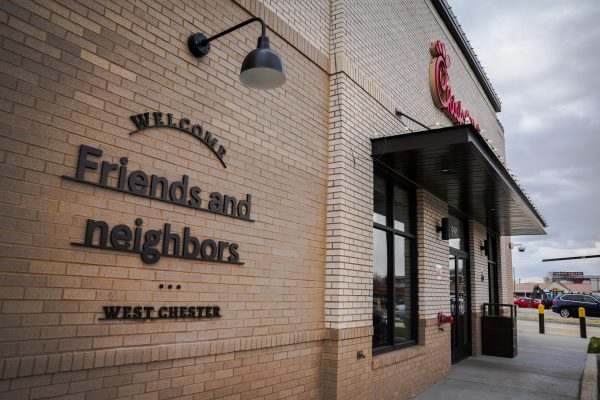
543, 59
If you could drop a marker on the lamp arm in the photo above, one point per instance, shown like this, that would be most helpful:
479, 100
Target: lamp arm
238, 26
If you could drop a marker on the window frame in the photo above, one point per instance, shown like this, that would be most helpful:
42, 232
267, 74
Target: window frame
493, 266
411, 235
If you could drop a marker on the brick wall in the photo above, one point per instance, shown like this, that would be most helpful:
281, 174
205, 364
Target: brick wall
434, 294
505, 271
270, 373
310, 18
405, 373
388, 43
479, 288
379, 63
298, 311
72, 74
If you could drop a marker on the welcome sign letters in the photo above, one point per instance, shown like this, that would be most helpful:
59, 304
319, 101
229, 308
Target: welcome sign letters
152, 244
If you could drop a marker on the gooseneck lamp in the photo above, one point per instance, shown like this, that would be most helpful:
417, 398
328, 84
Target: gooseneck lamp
262, 68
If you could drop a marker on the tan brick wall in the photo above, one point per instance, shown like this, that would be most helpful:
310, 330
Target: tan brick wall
405, 373
310, 18
350, 210
386, 44
380, 61
300, 24
505, 270
350, 257
345, 375
73, 73
479, 288
434, 294
300, 308
290, 371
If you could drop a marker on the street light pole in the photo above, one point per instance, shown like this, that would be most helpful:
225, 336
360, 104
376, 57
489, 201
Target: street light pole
570, 258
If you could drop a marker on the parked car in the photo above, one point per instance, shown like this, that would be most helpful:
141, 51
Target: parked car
567, 305
524, 302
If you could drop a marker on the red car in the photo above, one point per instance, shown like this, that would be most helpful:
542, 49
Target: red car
524, 302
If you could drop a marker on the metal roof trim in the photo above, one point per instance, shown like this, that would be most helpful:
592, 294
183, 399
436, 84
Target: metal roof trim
449, 18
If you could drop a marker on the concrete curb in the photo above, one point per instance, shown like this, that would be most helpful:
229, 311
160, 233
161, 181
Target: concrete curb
589, 381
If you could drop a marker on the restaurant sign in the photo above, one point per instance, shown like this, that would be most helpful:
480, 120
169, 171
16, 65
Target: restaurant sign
441, 92
152, 244
143, 122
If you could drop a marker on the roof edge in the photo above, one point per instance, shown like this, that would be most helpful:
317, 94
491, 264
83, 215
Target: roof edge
476, 138
462, 134
445, 11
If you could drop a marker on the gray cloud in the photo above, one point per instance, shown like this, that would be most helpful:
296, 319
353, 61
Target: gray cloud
543, 59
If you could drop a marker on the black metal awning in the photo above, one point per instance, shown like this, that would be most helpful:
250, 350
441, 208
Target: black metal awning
458, 166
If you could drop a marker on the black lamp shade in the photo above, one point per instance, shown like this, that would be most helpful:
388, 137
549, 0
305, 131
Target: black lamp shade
262, 68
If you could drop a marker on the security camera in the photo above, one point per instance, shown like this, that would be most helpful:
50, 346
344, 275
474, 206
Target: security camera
519, 246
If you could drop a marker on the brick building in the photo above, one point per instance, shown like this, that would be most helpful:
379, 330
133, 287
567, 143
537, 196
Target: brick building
235, 243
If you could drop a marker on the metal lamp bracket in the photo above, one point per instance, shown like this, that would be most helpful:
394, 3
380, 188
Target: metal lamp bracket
198, 45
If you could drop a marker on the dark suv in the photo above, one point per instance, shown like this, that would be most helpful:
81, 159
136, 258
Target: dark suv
568, 305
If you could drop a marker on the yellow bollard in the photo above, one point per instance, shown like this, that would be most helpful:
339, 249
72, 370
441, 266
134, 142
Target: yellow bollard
541, 318
582, 327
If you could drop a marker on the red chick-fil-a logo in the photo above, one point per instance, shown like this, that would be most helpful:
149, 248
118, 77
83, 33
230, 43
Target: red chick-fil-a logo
441, 92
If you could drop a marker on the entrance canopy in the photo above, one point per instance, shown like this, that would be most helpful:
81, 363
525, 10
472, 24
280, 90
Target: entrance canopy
457, 165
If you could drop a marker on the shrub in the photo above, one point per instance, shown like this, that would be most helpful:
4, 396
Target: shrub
594, 346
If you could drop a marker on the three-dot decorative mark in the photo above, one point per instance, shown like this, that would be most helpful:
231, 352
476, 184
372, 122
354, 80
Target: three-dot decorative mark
169, 286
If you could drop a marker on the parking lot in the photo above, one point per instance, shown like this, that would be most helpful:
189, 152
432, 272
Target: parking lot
548, 314
528, 321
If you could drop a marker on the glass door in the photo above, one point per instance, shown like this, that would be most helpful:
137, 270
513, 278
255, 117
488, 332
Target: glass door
459, 306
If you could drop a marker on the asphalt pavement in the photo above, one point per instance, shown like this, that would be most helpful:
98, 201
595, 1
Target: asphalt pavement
556, 328
547, 367
547, 313
531, 314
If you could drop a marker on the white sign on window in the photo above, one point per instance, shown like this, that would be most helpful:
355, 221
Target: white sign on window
438, 271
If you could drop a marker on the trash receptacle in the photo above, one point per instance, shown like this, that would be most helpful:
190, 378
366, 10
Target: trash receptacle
499, 330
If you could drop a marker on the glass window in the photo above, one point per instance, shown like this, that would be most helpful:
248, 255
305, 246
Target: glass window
380, 287
573, 297
457, 233
492, 247
379, 200
394, 281
402, 289
589, 299
401, 209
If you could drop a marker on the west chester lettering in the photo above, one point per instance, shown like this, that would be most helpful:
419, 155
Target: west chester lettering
149, 312
117, 177
143, 122
153, 244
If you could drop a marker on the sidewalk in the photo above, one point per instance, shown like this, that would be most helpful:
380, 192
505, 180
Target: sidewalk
547, 367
